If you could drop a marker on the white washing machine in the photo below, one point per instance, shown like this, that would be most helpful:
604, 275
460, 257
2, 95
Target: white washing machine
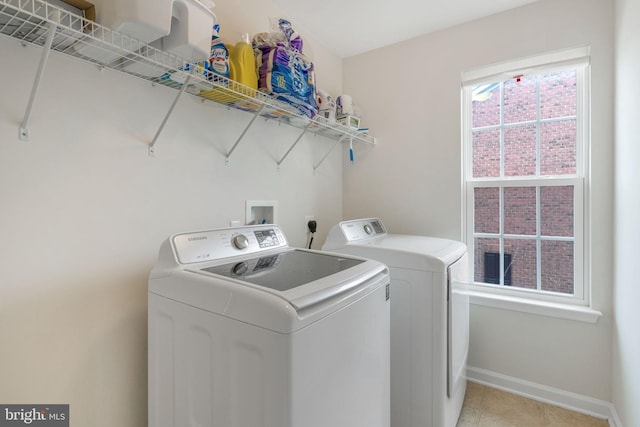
245, 331
429, 318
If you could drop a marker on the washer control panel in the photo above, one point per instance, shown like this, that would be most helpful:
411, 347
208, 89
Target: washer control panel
360, 229
240, 242
226, 242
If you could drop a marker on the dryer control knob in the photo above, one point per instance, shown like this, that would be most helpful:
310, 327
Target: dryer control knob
368, 229
240, 241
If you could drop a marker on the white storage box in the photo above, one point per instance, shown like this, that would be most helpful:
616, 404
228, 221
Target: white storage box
145, 20
191, 28
181, 27
184, 25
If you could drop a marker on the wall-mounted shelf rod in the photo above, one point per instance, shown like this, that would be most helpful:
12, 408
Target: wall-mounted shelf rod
317, 165
23, 133
294, 144
227, 159
152, 150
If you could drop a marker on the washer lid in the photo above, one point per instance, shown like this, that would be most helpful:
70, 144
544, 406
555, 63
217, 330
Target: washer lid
299, 276
285, 270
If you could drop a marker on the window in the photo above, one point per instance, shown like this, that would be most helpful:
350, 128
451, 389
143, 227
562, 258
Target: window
525, 176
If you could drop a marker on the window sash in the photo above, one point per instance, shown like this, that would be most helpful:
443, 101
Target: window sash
576, 59
578, 240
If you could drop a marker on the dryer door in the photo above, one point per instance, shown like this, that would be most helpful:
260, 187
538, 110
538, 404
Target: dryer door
458, 277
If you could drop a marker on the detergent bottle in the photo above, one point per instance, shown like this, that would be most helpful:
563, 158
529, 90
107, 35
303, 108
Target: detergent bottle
242, 63
219, 59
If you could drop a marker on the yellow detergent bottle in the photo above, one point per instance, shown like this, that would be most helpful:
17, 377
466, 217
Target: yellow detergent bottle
242, 63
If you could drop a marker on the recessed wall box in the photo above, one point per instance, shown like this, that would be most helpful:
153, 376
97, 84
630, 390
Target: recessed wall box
261, 212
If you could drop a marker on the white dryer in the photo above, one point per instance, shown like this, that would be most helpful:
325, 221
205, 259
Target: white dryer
245, 331
429, 318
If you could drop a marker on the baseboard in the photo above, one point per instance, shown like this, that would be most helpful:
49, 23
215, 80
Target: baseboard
565, 399
614, 420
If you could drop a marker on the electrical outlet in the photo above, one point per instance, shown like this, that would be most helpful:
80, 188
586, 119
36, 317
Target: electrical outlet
308, 218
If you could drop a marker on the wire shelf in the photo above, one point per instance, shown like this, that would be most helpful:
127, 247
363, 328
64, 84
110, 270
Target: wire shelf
31, 20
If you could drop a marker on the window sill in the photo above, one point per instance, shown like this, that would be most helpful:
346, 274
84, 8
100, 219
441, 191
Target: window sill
542, 308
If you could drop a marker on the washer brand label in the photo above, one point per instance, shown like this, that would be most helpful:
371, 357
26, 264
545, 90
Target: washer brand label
191, 239
34, 415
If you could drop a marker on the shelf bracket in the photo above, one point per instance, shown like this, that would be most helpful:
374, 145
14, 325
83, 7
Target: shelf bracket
227, 159
23, 133
317, 165
152, 150
294, 144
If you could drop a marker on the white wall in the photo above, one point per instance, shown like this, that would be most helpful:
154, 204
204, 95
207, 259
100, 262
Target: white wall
410, 96
84, 210
626, 350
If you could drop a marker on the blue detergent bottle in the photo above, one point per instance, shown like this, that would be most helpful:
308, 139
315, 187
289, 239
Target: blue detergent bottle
219, 58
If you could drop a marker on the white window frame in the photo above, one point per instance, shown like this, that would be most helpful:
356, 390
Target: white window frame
511, 296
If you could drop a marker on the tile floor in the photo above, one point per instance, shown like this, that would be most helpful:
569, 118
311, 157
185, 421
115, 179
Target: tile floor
489, 407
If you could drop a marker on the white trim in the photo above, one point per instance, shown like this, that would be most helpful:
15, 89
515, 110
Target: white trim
614, 419
505, 70
535, 306
542, 393
584, 156
526, 181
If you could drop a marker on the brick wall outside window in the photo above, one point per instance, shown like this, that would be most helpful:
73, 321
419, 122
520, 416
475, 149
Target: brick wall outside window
537, 139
